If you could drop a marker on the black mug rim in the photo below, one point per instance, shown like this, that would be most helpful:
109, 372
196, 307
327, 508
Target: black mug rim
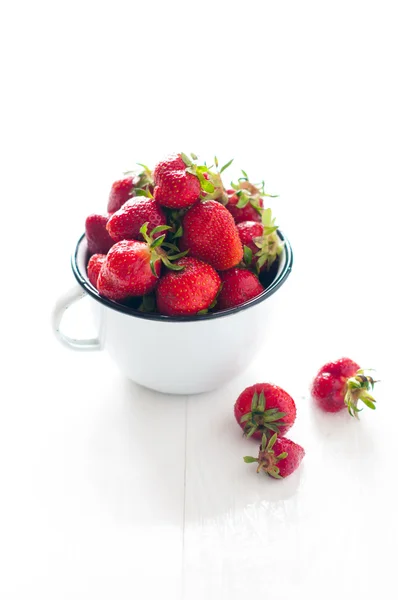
271, 289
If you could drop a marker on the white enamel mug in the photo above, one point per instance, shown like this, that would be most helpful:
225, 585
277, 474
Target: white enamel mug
174, 355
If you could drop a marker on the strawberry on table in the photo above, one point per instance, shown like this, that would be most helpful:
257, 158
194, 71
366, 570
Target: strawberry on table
97, 236
342, 384
189, 291
94, 267
210, 234
277, 457
238, 286
263, 408
125, 224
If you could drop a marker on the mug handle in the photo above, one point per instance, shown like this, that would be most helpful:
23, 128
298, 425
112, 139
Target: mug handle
63, 303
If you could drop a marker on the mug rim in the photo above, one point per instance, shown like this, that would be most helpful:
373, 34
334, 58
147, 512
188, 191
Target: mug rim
271, 289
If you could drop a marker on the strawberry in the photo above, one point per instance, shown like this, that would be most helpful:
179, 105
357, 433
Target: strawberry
241, 211
260, 242
189, 291
125, 224
177, 189
341, 384
238, 286
134, 184
172, 163
127, 270
264, 407
180, 181
278, 457
121, 191
94, 267
98, 239
132, 268
209, 232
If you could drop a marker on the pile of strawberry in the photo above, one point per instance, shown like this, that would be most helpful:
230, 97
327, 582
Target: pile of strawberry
177, 242
266, 412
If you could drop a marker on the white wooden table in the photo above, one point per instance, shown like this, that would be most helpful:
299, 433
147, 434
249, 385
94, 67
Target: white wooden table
111, 491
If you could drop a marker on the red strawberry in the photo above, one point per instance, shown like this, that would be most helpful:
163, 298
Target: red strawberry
173, 162
278, 457
264, 407
127, 270
341, 384
98, 239
121, 191
239, 285
94, 267
177, 189
261, 240
188, 291
251, 211
248, 232
209, 232
125, 224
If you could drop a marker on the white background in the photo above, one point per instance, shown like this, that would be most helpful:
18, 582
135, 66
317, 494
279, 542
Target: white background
109, 490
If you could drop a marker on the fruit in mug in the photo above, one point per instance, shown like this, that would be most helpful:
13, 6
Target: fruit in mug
127, 270
277, 457
263, 408
175, 186
125, 224
171, 163
249, 211
210, 234
342, 384
121, 191
260, 242
94, 267
189, 291
98, 239
238, 286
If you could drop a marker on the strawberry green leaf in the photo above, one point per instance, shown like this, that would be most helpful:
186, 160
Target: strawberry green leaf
202, 312
272, 441
267, 217
254, 402
144, 167
152, 265
194, 156
250, 459
158, 242
228, 164
245, 175
186, 159
261, 402
179, 255
170, 265
243, 201
247, 255
178, 233
282, 455
142, 192
216, 161
159, 228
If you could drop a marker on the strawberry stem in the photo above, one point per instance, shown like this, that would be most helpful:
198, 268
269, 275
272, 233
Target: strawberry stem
261, 419
357, 388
